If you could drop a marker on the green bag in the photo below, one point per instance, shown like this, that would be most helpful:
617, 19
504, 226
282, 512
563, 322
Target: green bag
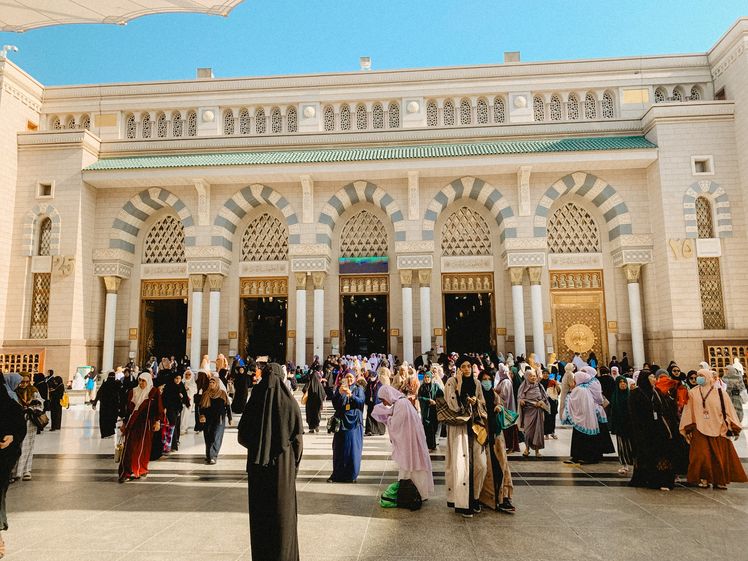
506, 418
389, 497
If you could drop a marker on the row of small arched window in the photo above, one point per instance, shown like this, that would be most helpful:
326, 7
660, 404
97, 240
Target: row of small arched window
678, 93
161, 127
70, 122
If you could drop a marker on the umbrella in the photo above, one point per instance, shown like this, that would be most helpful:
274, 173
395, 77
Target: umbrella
22, 15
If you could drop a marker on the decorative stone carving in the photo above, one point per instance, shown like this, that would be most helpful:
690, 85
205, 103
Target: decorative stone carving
263, 268
523, 190
208, 266
308, 264
515, 275
363, 234
116, 269
406, 277
415, 261
682, 249
573, 261
309, 249
207, 252
264, 287
156, 289
163, 270
467, 263
632, 272
465, 233
523, 244
307, 199
424, 277
579, 338
625, 256
197, 282
300, 279
265, 239
215, 282
467, 282
414, 247
318, 279
535, 274
203, 202
368, 284
413, 195
536, 259
111, 284
576, 280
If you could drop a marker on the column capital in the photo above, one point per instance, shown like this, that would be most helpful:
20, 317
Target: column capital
516, 274
300, 279
633, 272
318, 279
111, 284
215, 282
197, 282
424, 277
535, 273
406, 277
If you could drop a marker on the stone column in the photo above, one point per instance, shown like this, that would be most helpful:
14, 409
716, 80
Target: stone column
536, 302
633, 273
518, 309
215, 282
110, 320
197, 283
300, 318
319, 313
406, 278
424, 282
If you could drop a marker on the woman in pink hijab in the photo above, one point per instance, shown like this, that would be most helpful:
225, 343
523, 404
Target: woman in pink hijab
409, 449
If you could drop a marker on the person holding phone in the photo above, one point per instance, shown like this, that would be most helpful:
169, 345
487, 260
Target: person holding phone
348, 442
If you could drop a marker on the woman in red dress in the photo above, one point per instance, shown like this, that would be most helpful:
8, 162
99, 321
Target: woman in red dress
145, 413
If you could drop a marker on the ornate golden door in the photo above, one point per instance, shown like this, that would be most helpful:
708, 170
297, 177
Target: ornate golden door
578, 309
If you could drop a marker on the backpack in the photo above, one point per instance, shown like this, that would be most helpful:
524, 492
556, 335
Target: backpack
401, 494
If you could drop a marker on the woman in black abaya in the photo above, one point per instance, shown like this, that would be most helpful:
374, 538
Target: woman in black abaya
108, 398
12, 433
241, 389
271, 429
315, 396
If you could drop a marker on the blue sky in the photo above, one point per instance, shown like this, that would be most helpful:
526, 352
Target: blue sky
264, 37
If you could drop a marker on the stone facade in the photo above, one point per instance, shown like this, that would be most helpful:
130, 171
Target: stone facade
300, 157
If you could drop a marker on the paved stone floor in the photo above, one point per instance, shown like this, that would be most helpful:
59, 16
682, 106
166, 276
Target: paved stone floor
75, 510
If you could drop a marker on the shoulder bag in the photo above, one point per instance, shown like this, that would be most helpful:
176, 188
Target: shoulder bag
730, 432
506, 418
444, 414
39, 418
333, 425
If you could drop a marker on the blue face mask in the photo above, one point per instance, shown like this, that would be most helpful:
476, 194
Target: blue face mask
700, 380
487, 385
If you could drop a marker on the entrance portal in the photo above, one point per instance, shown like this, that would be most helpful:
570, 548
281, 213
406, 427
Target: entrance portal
364, 324
468, 312
164, 328
264, 323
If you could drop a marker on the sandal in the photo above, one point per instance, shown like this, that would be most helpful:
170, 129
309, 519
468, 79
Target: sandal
526, 453
703, 484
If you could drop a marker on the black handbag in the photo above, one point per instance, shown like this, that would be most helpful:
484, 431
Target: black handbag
38, 418
333, 425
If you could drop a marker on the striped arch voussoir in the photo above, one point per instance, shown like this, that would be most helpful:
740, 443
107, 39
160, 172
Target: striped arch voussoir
31, 225
359, 191
243, 201
598, 192
138, 209
478, 190
719, 199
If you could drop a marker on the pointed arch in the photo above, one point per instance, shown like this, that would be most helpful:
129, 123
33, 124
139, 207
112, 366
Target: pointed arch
131, 217
243, 201
720, 203
358, 191
604, 196
31, 226
478, 190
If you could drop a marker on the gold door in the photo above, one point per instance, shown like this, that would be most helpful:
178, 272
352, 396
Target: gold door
578, 309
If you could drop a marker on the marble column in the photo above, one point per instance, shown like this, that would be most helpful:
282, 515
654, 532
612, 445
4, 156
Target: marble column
319, 314
110, 321
300, 356
424, 283
197, 283
215, 282
518, 309
406, 278
536, 303
633, 274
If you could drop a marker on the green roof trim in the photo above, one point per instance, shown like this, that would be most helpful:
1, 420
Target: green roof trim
366, 154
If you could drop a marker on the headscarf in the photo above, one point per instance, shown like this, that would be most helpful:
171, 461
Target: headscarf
619, 402
581, 410
139, 395
12, 379
219, 392
314, 389
26, 395
271, 419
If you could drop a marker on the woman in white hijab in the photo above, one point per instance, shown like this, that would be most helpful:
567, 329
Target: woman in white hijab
190, 384
145, 410
409, 449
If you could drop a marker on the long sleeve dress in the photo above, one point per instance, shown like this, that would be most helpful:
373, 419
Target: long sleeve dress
348, 442
139, 435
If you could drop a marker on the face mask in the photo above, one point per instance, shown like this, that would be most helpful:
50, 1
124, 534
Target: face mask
487, 385
700, 380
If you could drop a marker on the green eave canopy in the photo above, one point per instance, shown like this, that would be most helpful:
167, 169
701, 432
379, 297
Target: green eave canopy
369, 154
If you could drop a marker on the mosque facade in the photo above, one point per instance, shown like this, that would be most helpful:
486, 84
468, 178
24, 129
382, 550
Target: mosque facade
545, 207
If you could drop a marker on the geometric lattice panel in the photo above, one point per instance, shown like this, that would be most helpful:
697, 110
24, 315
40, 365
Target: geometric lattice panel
363, 235
720, 354
571, 229
27, 360
165, 242
710, 287
466, 233
704, 222
265, 239
45, 236
40, 305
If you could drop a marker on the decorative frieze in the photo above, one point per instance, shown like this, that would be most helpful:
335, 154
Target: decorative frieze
471, 282
208, 266
467, 263
263, 268
117, 269
163, 289
415, 261
163, 270
423, 246
309, 264
528, 259
369, 284
523, 190
576, 280
263, 287
625, 256
573, 261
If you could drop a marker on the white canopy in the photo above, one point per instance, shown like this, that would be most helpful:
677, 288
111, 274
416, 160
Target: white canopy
22, 15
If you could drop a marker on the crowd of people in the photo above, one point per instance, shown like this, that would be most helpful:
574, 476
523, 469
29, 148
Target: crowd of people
667, 424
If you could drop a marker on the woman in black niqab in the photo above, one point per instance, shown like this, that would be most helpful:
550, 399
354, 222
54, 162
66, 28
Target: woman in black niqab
241, 389
271, 429
315, 396
12, 427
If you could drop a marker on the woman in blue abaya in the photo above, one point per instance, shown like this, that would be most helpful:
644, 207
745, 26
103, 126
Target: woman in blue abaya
348, 442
